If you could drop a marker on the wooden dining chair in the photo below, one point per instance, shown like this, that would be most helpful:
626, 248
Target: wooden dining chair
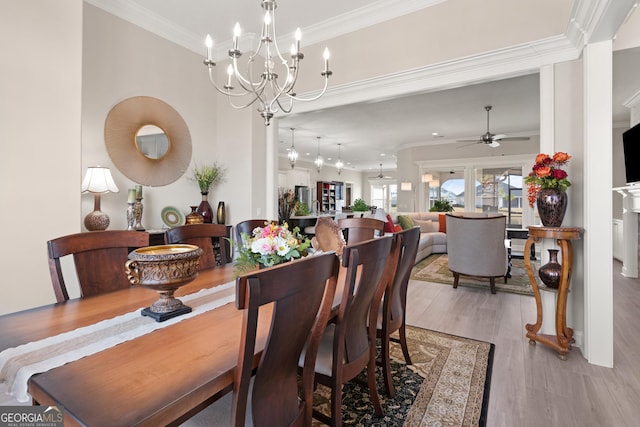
349, 341
360, 229
392, 313
99, 258
248, 226
302, 292
204, 236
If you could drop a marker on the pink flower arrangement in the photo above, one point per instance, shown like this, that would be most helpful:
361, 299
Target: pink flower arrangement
270, 245
547, 173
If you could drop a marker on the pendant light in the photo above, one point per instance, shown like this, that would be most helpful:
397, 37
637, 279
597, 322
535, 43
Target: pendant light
339, 164
293, 154
319, 160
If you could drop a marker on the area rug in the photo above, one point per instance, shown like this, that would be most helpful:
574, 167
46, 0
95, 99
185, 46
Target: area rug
448, 384
435, 268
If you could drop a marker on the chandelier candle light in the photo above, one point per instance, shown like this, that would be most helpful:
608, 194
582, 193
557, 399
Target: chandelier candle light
267, 91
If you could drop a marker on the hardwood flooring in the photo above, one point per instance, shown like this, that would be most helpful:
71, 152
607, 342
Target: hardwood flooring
530, 385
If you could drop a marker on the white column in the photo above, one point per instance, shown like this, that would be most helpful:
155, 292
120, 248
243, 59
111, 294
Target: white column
597, 204
630, 202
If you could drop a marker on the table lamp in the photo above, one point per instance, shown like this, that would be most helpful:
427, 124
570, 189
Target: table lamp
98, 180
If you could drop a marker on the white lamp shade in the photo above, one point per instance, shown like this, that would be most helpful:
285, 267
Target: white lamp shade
98, 180
427, 177
406, 186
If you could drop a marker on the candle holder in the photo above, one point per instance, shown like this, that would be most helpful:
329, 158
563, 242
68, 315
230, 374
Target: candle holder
137, 212
131, 217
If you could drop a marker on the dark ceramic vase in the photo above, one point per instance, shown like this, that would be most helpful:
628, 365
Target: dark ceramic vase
552, 205
551, 271
222, 216
205, 209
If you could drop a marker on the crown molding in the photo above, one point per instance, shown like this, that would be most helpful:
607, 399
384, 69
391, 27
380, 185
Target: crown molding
375, 13
513, 61
144, 18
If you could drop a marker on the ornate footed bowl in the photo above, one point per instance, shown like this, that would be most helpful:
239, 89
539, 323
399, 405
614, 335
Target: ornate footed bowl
164, 269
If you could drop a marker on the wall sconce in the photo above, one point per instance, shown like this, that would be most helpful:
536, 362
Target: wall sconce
427, 177
98, 180
434, 183
406, 186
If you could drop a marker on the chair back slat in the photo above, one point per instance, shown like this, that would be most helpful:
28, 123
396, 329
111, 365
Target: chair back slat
248, 226
360, 229
302, 292
203, 236
99, 258
365, 263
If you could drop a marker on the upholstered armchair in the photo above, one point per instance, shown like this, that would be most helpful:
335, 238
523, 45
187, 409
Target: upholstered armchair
476, 247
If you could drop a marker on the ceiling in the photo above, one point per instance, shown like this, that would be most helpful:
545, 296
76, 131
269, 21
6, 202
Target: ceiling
370, 133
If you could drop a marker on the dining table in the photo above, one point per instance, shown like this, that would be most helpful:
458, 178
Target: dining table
159, 378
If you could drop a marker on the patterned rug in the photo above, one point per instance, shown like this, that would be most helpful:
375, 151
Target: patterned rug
448, 384
435, 268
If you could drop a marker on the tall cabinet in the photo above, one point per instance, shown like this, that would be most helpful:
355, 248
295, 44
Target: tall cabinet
327, 194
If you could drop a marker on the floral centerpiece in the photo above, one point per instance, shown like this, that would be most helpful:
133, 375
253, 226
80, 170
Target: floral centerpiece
270, 245
547, 173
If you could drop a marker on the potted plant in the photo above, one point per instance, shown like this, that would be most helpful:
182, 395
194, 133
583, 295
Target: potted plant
442, 205
207, 176
359, 206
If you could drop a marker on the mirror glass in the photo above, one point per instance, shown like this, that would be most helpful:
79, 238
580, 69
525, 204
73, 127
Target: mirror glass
152, 142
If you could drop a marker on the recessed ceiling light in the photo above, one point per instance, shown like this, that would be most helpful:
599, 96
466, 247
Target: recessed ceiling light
434, 133
382, 154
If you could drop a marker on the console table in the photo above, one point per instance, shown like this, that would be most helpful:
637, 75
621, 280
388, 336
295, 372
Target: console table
564, 335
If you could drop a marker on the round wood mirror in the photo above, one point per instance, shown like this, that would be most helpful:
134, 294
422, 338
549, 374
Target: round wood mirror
148, 141
152, 142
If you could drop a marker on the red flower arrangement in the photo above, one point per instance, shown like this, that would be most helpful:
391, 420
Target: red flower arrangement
547, 173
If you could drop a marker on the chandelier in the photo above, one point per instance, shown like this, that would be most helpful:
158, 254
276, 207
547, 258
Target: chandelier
271, 95
319, 161
293, 154
339, 163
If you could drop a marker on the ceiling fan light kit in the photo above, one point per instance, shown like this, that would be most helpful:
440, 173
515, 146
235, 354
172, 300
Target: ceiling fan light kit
492, 139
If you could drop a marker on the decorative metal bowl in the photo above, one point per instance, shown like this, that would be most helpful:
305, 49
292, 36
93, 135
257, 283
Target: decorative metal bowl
164, 269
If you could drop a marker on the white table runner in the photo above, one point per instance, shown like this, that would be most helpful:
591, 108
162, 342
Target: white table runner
19, 363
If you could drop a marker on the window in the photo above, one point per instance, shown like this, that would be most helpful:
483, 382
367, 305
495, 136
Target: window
385, 196
499, 190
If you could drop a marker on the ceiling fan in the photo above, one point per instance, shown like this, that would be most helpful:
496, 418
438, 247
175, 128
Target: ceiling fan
491, 139
380, 175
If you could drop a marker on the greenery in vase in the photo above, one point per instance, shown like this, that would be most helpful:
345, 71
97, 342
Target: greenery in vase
442, 205
208, 175
302, 209
359, 206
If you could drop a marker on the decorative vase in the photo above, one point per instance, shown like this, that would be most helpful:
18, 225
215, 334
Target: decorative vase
194, 217
552, 205
551, 271
221, 213
205, 209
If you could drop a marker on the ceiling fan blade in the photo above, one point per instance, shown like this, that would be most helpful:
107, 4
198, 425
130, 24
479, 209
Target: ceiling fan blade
494, 144
516, 138
497, 137
475, 142
478, 141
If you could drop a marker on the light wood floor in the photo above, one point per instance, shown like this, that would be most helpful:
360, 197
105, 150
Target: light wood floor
530, 385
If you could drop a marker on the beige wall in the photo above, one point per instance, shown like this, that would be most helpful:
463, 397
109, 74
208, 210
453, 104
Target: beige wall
40, 175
